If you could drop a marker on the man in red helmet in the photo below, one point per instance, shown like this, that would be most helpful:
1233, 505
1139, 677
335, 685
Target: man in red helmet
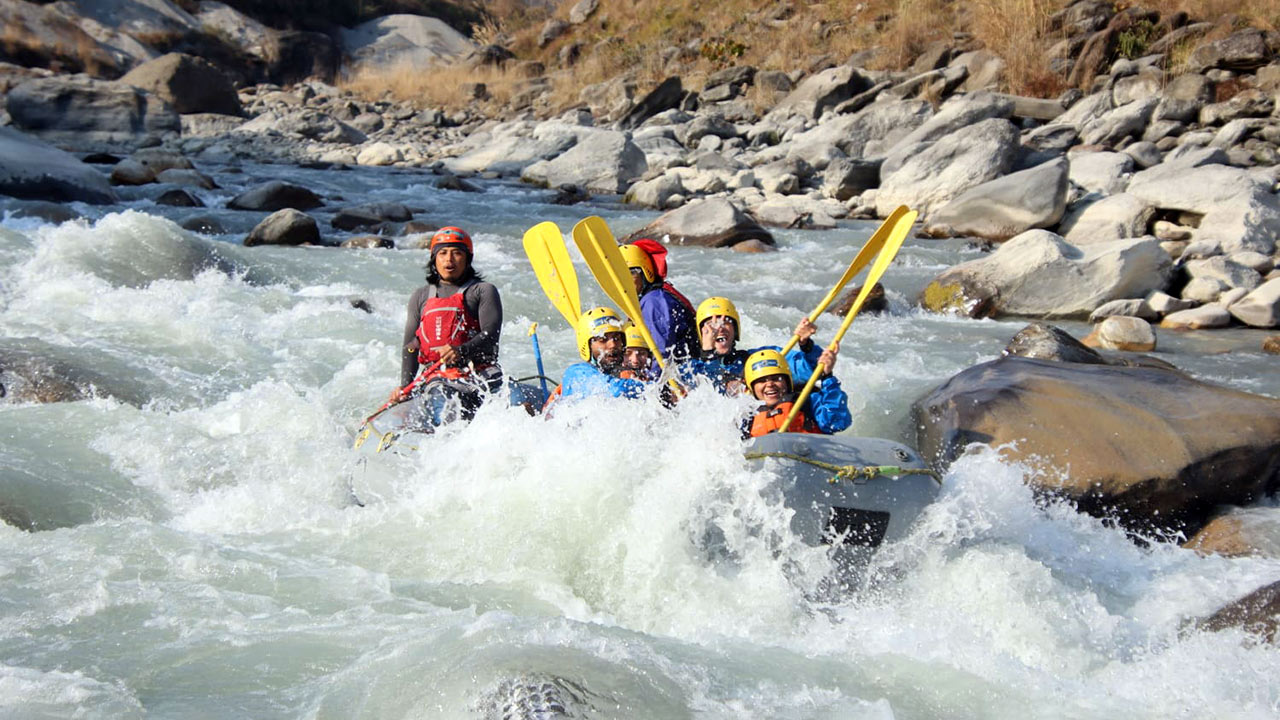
452, 327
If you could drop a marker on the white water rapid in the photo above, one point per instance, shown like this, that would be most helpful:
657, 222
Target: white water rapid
193, 551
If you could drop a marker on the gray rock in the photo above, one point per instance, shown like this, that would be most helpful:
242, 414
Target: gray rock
30, 168
602, 161
1041, 341
80, 108
1130, 307
285, 227
1203, 290
179, 198
1009, 205
845, 178
1056, 137
48, 37
275, 195
666, 96
370, 215
1114, 217
1144, 154
959, 112
368, 122
1183, 97
1205, 317
1240, 211
189, 84
551, 30
712, 222
703, 125
582, 10
1123, 122
655, 192
132, 172
1039, 274
1141, 86
1251, 103
1101, 172
937, 173
984, 70
1123, 333
867, 134
407, 40
1242, 50
1230, 296
1087, 110
820, 92
511, 147
187, 177
1261, 307
1253, 260
1220, 268
1163, 303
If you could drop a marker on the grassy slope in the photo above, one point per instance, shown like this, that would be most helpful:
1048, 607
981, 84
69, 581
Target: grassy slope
647, 40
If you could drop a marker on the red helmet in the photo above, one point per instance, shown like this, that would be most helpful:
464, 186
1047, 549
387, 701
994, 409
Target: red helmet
450, 235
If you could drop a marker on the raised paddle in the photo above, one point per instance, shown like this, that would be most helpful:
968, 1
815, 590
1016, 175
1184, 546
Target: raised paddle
544, 244
595, 242
864, 256
891, 247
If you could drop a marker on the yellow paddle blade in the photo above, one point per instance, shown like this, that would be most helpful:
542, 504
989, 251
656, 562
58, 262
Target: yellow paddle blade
864, 256
544, 244
595, 242
891, 247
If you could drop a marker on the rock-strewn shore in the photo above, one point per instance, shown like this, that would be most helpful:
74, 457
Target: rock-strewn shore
1148, 164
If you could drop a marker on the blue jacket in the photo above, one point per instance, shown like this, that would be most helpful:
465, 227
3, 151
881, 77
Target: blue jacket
585, 379
827, 404
670, 323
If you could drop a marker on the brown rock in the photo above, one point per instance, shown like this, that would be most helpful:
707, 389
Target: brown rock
1222, 536
368, 242
1271, 345
876, 301
1152, 448
753, 247
190, 84
1258, 613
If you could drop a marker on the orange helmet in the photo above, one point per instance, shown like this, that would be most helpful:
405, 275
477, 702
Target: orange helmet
450, 235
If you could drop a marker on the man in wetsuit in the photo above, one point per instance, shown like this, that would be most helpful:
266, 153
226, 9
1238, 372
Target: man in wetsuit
601, 344
667, 314
452, 328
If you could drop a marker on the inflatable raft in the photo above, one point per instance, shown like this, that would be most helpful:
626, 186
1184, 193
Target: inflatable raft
848, 490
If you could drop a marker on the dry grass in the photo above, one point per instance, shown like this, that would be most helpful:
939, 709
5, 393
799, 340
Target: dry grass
637, 39
447, 87
1018, 31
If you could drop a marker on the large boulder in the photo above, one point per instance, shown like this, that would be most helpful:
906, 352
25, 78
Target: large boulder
1039, 274
1101, 172
1106, 219
1149, 447
32, 169
821, 92
77, 107
942, 170
1007, 206
39, 36
408, 40
285, 227
603, 161
1261, 307
275, 195
509, 148
1245, 49
959, 112
190, 84
1126, 121
868, 133
1240, 211
713, 222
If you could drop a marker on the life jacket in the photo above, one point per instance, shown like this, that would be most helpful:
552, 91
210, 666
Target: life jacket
769, 419
445, 321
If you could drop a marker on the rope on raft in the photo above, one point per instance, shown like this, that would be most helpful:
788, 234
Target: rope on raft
852, 473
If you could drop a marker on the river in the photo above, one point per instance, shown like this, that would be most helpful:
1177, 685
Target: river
196, 553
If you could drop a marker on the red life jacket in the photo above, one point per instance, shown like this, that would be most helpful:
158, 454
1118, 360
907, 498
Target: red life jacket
444, 321
769, 420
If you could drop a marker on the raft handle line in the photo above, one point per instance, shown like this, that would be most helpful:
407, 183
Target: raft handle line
852, 473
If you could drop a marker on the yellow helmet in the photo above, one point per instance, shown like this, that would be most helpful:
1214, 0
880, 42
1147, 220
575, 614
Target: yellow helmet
596, 322
637, 258
713, 306
634, 338
764, 363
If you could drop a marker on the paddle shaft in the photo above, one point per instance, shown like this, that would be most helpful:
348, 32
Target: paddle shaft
891, 247
864, 256
537, 358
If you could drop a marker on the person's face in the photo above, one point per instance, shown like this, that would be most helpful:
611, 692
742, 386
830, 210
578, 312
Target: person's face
451, 263
722, 330
770, 390
634, 358
637, 277
607, 350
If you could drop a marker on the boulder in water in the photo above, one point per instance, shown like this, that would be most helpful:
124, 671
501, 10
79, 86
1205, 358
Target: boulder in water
285, 227
1257, 613
30, 168
276, 195
1151, 447
713, 222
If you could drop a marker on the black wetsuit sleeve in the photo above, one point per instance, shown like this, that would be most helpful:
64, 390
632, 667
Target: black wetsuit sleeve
484, 303
409, 344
